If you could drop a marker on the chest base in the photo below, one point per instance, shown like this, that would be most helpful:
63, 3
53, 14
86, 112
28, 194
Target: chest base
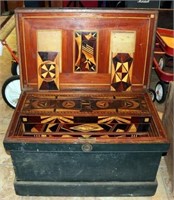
114, 188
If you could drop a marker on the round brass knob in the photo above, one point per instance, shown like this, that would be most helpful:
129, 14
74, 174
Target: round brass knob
86, 147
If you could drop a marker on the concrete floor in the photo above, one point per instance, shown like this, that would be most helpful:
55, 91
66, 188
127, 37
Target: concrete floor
6, 167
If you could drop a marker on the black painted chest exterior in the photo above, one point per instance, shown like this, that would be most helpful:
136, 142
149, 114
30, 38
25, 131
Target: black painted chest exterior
85, 124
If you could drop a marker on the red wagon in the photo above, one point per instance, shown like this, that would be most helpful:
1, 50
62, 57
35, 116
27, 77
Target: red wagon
11, 87
163, 61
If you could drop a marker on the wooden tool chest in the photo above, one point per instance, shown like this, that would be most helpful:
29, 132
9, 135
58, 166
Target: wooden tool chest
85, 124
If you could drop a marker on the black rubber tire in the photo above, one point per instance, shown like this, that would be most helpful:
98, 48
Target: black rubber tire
152, 94
15, 68
11, 91
162, 62
161, 91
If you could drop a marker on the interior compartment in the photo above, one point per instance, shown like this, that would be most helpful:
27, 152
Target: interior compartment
67, 127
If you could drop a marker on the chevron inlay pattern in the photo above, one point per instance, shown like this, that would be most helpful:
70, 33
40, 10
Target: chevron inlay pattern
85, 51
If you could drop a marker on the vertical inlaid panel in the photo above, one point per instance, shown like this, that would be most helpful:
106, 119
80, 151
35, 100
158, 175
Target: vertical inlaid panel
85, 51
122, 52
48, 59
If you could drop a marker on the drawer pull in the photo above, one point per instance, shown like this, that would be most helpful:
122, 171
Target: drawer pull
86, 147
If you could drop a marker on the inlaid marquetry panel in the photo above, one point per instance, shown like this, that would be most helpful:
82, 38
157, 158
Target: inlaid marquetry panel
48, 59
72, 126
121, 71
78, 104
85, 51
122, 53
75, 116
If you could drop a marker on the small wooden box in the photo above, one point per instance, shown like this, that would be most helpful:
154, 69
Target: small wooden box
85, 124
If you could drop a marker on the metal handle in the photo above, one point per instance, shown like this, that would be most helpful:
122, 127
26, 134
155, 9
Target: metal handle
86, 147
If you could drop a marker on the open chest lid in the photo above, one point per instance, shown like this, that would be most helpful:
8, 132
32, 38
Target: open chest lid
66, 49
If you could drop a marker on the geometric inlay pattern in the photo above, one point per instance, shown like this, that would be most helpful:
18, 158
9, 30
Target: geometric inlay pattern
103, 127
47, 70
85, 51
121, 71
82, 104
63, 116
